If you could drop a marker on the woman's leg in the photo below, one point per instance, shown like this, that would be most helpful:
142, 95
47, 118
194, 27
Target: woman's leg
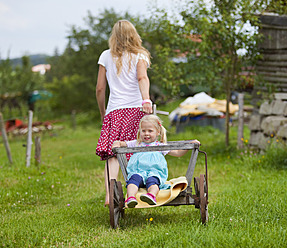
113, 174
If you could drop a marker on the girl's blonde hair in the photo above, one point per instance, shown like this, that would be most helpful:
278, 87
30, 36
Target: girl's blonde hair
157, 122
125, 39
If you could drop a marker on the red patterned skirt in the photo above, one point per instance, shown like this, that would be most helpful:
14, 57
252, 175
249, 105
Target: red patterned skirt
120, 124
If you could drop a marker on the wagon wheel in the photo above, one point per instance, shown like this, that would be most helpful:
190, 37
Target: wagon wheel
121, 199
116, 202
196, 188
203, 199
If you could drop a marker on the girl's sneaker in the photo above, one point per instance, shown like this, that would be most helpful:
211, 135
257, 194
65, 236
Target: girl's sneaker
148, 198
131, 202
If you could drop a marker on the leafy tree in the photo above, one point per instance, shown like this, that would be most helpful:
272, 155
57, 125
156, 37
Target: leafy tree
68, 94
19, 82
221, 26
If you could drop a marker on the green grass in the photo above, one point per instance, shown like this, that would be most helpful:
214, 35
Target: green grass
61, 202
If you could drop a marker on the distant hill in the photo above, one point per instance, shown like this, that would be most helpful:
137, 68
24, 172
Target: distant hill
34, 59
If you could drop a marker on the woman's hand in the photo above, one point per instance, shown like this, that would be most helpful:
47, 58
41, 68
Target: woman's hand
117, 143
147, 108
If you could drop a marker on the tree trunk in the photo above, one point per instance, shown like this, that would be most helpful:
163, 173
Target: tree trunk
227, 115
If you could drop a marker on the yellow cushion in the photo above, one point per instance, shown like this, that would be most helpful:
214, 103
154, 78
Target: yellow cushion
166, 195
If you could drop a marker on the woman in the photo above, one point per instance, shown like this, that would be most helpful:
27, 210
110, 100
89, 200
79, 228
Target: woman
124, 68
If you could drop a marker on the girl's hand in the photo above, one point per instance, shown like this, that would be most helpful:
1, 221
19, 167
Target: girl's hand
118, 143
195, 141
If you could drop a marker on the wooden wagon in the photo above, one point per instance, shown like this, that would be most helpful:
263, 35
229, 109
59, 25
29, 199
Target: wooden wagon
186, 197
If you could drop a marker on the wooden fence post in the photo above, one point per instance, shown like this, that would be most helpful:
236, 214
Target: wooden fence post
29, 139
240, 121
5, 139
37, 150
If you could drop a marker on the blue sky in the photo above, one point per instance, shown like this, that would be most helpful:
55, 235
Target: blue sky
32, 26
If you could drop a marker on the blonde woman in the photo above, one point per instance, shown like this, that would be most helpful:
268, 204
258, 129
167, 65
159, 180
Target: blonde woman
148, 169
124, 68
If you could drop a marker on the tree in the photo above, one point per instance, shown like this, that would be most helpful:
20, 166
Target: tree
222, 28
19, 82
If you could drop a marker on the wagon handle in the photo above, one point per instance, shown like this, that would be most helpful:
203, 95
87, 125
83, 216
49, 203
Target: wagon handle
205, 173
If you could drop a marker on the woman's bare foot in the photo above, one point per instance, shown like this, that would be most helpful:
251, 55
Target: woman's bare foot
107, 201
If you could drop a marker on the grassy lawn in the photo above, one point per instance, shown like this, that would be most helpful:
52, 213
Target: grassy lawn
61, 203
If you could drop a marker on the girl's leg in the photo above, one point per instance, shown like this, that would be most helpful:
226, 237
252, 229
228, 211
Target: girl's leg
113, 174
133, 185
132, 189
152, 185
153, 189
131, 200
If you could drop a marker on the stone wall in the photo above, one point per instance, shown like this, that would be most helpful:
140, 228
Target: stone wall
270, 124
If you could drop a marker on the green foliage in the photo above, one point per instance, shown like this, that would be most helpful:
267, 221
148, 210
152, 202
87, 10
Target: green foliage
277, 6
17, 83
61, 202
71, 93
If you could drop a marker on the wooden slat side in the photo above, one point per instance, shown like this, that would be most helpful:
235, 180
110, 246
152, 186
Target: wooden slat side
191, 166
123, 164
168, 147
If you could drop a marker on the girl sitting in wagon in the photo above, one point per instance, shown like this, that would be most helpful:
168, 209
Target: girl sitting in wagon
148, 169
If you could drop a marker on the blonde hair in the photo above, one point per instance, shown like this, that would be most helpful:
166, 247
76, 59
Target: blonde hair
125, 39
157, 122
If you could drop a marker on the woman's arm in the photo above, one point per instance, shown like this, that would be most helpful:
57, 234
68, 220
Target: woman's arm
180, 153
144, 84
101, 90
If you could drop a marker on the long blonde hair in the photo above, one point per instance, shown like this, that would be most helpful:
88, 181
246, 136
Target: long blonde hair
125, 39
157, 122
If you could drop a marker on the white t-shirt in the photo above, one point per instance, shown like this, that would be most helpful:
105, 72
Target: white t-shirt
124, 89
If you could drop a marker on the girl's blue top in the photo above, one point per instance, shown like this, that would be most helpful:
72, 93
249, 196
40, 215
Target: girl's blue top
147, 164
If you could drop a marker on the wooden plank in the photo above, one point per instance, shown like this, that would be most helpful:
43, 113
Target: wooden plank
123, 164
273, 20
275, 57
270, 68
29, 139
170, 146
273, 74
275, 79
240, 121
191, 166
272, 63
37, 150
5, 139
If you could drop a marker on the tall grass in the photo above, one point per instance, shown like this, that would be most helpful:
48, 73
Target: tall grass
61, 202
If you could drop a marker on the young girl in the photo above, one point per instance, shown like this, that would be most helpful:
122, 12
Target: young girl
124, 68
148, 169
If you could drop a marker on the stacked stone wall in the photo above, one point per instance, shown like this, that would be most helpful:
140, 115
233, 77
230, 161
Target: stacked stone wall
270, 124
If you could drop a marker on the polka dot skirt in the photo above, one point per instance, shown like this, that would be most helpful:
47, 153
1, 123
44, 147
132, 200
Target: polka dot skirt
120, 124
